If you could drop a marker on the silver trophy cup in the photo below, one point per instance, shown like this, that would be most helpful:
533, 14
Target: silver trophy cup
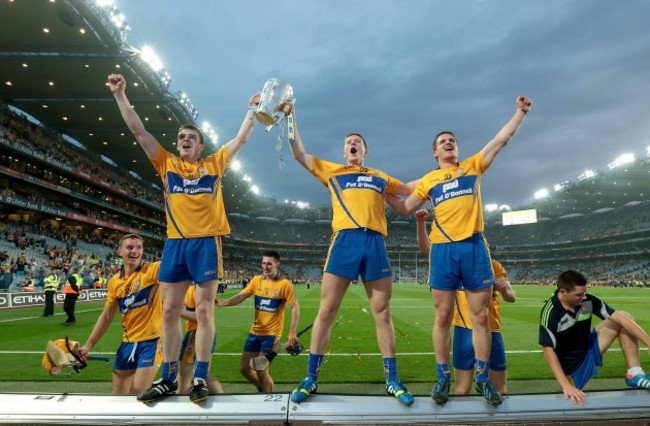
271, 109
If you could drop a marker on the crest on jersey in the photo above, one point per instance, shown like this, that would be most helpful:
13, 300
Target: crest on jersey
461, 171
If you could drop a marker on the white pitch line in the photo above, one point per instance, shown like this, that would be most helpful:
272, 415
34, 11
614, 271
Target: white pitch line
56, 315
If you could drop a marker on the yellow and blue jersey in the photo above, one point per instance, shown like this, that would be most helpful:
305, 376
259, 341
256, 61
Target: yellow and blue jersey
358, 194
193, 200
271, 298
139, 301
461, 310
190, 305
455, 193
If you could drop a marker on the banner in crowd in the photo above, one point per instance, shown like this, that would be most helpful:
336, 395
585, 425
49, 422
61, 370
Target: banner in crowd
18, 300
20, 202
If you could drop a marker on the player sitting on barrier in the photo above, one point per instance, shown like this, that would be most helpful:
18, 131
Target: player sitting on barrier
573, 350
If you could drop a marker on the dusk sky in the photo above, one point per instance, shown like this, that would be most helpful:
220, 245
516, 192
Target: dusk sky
401, 71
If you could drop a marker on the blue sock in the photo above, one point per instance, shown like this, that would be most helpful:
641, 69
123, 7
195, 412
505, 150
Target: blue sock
390, 369
201, 369
481, 370
313, 368
443, 372
169, 371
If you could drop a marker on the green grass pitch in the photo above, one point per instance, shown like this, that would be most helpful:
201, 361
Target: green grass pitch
353, 354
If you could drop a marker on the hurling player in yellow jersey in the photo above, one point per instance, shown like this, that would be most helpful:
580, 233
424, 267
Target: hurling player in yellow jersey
459, 254
196, 220
187, 356
273, 292
134, 290
357, 248
463, 351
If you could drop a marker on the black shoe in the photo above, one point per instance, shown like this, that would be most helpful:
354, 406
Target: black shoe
66, 323
440, 392
161, 388
489, 392
199, 391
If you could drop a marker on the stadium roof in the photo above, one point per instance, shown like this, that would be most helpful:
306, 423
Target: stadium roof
625, 185
54, 60
55, 57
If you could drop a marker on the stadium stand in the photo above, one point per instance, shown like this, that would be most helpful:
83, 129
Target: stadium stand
63, 203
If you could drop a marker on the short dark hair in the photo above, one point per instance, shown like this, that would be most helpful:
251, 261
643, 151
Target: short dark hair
126, 237
357, 134
568, 280
192, 127
271, 253
444, 132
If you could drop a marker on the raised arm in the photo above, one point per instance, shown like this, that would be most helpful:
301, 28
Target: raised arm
296, 146
245, 130
149, 144
506, 133
421, 231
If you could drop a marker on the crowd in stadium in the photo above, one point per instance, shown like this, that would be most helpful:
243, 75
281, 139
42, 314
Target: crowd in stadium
606, 247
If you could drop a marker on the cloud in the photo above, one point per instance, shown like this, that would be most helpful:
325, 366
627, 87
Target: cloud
399, 72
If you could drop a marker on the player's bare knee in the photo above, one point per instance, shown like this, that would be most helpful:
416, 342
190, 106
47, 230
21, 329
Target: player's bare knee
479, 319
444, 317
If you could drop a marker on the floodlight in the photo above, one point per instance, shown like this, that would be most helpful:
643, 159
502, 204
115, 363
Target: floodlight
235, 165
621, 160
586, 175
542, 193
150, 57
255, 190
491, 207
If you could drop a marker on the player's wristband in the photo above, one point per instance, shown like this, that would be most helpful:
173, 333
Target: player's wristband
524, 110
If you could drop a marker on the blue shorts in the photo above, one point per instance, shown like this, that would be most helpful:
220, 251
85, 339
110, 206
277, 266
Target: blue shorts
463, 355
358, 252
132, 355
589, 366
191, 259
261, 344
463, 263
188, 347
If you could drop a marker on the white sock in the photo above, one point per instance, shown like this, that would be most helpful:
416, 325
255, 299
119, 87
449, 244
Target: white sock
635, 371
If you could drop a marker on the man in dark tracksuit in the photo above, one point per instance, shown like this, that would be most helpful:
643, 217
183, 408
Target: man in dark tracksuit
73, 286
